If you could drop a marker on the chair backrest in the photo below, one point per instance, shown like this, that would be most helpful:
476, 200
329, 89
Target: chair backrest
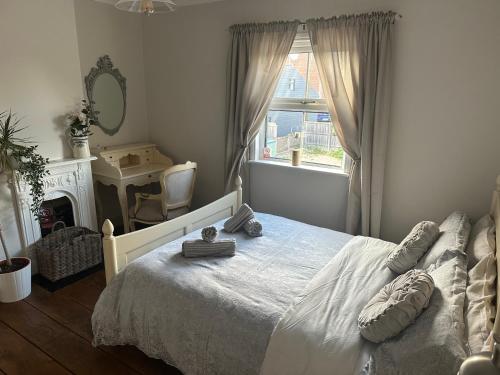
177, 186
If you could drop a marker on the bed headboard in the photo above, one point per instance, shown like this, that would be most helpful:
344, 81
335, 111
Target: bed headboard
495, 213
121, 250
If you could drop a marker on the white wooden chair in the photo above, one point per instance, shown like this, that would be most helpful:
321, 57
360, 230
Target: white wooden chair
177, 185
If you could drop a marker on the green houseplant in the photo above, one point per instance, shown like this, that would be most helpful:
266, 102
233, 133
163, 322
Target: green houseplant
18, 154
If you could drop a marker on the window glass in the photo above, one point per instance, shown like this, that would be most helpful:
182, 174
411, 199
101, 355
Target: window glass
292, 83
299, 118
313, 133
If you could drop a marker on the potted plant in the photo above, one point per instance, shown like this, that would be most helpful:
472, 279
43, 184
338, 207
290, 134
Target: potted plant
16, 154
79, 129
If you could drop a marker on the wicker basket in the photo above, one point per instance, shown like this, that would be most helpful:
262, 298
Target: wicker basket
67, 251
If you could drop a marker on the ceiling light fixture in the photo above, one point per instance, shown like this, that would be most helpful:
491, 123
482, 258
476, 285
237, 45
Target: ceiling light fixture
147, 7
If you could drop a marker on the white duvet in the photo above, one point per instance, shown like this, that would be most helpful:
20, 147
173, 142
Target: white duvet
214, 315
318, 334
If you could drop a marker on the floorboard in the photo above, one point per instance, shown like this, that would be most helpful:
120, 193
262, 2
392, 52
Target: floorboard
19, 356
54, 331
85, 292
77, 319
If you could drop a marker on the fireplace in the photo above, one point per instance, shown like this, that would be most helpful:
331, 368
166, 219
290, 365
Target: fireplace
56, 211
69, 197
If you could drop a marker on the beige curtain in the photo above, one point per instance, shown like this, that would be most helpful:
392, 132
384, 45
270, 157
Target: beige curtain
353, 54
257, 56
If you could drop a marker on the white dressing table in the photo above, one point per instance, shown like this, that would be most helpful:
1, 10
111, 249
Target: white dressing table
135, 164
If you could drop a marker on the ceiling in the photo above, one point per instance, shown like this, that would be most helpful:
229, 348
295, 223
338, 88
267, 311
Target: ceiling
179, 3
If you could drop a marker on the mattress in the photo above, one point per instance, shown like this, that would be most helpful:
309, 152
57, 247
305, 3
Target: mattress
214, 315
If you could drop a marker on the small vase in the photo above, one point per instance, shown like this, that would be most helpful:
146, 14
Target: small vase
81, 148
296, 156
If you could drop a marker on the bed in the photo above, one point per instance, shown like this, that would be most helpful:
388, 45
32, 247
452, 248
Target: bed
223, 316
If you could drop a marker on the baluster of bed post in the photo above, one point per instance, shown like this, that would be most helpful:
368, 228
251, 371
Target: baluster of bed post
239, 191
109, 247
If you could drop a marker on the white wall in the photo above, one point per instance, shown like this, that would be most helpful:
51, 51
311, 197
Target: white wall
310, 196
104, 30
39, 79
47, 49
443, 143
443, 147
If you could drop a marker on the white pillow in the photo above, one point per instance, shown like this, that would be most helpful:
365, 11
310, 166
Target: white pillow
396, 306
454, 234
480, 295
482, 240
413, 247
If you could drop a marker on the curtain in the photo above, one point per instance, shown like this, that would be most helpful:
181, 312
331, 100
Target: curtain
353, 55
257, 56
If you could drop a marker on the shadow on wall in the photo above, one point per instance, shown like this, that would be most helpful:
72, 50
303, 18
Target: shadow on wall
61, 127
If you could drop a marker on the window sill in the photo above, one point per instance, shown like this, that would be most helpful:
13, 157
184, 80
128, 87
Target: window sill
304, 167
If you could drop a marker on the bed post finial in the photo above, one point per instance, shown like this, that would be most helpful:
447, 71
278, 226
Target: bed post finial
237, 183
108, 228
109, 249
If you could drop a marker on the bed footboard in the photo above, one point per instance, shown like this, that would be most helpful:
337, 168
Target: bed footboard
121, 250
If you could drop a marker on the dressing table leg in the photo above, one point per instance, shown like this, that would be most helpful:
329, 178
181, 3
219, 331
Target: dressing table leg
98, 203
122, 197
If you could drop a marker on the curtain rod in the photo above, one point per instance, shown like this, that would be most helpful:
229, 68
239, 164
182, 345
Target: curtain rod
398, 16
304, 23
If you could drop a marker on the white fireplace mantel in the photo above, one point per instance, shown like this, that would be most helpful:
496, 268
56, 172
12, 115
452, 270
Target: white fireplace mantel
71, 178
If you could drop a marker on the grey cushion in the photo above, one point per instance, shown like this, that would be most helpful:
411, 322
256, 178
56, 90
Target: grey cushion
413, 247
396, 306
454, 234
235, 222
435, 344
151, 211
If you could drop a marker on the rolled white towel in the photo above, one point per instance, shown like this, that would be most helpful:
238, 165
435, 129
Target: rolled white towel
253, 228
200, 248
241, 216
209, 234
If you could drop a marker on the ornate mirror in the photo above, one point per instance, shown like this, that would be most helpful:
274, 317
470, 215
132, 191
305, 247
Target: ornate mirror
106, 91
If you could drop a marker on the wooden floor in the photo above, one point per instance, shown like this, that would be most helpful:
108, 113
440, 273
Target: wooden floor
50, 333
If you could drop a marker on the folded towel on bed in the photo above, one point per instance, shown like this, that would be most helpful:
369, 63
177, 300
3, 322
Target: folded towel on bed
243, 214
253, 228
209, 234
200, 248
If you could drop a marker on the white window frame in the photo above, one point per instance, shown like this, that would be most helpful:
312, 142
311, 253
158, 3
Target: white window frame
301, 44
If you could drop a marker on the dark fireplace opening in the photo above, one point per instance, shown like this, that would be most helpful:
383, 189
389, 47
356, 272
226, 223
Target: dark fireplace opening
55, 210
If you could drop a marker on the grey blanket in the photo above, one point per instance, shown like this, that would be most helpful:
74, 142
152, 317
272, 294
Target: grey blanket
213, 315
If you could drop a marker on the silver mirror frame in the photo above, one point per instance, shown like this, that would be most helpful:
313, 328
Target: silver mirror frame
104, 65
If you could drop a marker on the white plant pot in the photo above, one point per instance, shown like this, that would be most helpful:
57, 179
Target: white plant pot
15, 286
81, 148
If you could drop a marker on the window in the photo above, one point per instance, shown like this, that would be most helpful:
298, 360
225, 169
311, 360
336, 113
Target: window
298, 117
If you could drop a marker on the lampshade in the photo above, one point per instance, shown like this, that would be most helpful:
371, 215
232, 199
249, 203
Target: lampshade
146, 6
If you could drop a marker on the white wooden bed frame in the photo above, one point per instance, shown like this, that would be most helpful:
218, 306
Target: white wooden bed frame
121, 250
